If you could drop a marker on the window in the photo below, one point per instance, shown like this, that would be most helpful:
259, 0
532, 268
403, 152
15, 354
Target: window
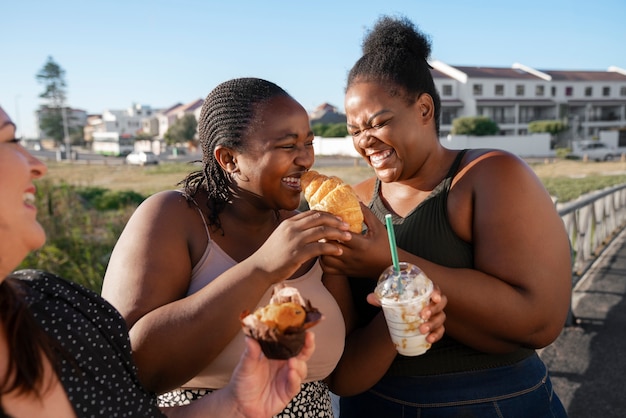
569, 90
446, 90
606, 91
519, 90
478, 89
588, 91
539, 90
622, 91
553, 91
499, 90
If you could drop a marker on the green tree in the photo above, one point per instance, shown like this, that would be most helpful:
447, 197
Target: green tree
337, 130
319, 129
330, 130
183, 130
474, 126
52, 76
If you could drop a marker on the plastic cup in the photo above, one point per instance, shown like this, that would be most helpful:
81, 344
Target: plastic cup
402, 295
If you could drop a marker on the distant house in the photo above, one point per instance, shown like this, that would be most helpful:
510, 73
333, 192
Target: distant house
114, 131
326, 113
112, 143
169, 116
587, 101
93, 124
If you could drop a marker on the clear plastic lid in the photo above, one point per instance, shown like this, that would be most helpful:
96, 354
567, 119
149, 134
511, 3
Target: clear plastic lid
407, 283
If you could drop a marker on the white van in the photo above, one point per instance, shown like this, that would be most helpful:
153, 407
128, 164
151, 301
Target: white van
142, 158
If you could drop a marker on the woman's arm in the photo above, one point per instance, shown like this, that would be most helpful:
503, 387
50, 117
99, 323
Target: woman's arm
175, 336
522, 258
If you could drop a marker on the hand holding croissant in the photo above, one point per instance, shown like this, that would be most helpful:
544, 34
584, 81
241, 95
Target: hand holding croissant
331, 194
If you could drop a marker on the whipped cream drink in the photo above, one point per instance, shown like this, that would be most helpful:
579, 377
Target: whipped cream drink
402, 295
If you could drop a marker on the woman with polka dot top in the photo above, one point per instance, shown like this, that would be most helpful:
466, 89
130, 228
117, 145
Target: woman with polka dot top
65, 351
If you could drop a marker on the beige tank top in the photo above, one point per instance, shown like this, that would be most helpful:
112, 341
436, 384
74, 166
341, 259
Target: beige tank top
329, 333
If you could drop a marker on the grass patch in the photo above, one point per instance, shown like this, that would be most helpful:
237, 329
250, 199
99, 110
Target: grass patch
568, 188
82, 225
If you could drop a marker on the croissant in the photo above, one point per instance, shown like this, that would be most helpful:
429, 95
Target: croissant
331, 194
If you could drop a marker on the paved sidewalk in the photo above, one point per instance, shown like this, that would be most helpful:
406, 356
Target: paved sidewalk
588, 360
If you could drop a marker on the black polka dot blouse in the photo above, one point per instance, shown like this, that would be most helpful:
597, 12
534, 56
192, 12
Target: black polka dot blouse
101, 381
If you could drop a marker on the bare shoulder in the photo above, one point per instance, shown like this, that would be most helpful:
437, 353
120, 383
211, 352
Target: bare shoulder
165, 201
487, 157
492, 166
164, 215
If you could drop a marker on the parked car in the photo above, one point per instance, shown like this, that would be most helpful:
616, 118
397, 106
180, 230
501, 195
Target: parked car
142, 158
597, 151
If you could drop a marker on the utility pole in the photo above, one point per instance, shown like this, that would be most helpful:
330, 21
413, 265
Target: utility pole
68, 155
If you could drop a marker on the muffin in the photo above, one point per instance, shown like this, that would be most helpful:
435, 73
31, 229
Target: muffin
280, 326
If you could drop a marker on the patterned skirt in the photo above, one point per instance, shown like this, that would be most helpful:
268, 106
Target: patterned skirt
313, 400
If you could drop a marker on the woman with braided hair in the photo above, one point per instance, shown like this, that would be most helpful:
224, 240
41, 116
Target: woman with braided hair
189, 262
478, 222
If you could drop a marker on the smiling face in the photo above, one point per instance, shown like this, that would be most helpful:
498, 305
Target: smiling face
279, 148
20, 232
387, 131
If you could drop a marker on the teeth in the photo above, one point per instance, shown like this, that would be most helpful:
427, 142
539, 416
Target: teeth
380, 155
29, 198
292, 181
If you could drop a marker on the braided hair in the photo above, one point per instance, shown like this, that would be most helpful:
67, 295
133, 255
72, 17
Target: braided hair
395, 53
228, 115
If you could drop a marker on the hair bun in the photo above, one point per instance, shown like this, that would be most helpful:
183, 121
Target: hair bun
396, 33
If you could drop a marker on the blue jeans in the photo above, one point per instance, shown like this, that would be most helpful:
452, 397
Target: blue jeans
523, 390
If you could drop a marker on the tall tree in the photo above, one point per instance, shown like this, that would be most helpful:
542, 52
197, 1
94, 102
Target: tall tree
51, 121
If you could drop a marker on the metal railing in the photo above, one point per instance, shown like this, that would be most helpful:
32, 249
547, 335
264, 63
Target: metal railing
591, 222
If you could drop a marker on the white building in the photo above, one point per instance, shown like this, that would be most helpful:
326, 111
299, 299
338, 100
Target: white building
112, 143
126, 122
168, 117
587, 101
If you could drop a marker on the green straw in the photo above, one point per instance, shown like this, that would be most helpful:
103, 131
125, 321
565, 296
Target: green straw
392, 243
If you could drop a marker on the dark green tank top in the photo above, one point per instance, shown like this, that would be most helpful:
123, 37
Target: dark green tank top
426, 232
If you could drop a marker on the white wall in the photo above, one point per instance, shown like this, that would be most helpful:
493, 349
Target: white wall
334, 146
535, 145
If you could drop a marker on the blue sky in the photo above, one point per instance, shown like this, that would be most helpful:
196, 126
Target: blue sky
158, 53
